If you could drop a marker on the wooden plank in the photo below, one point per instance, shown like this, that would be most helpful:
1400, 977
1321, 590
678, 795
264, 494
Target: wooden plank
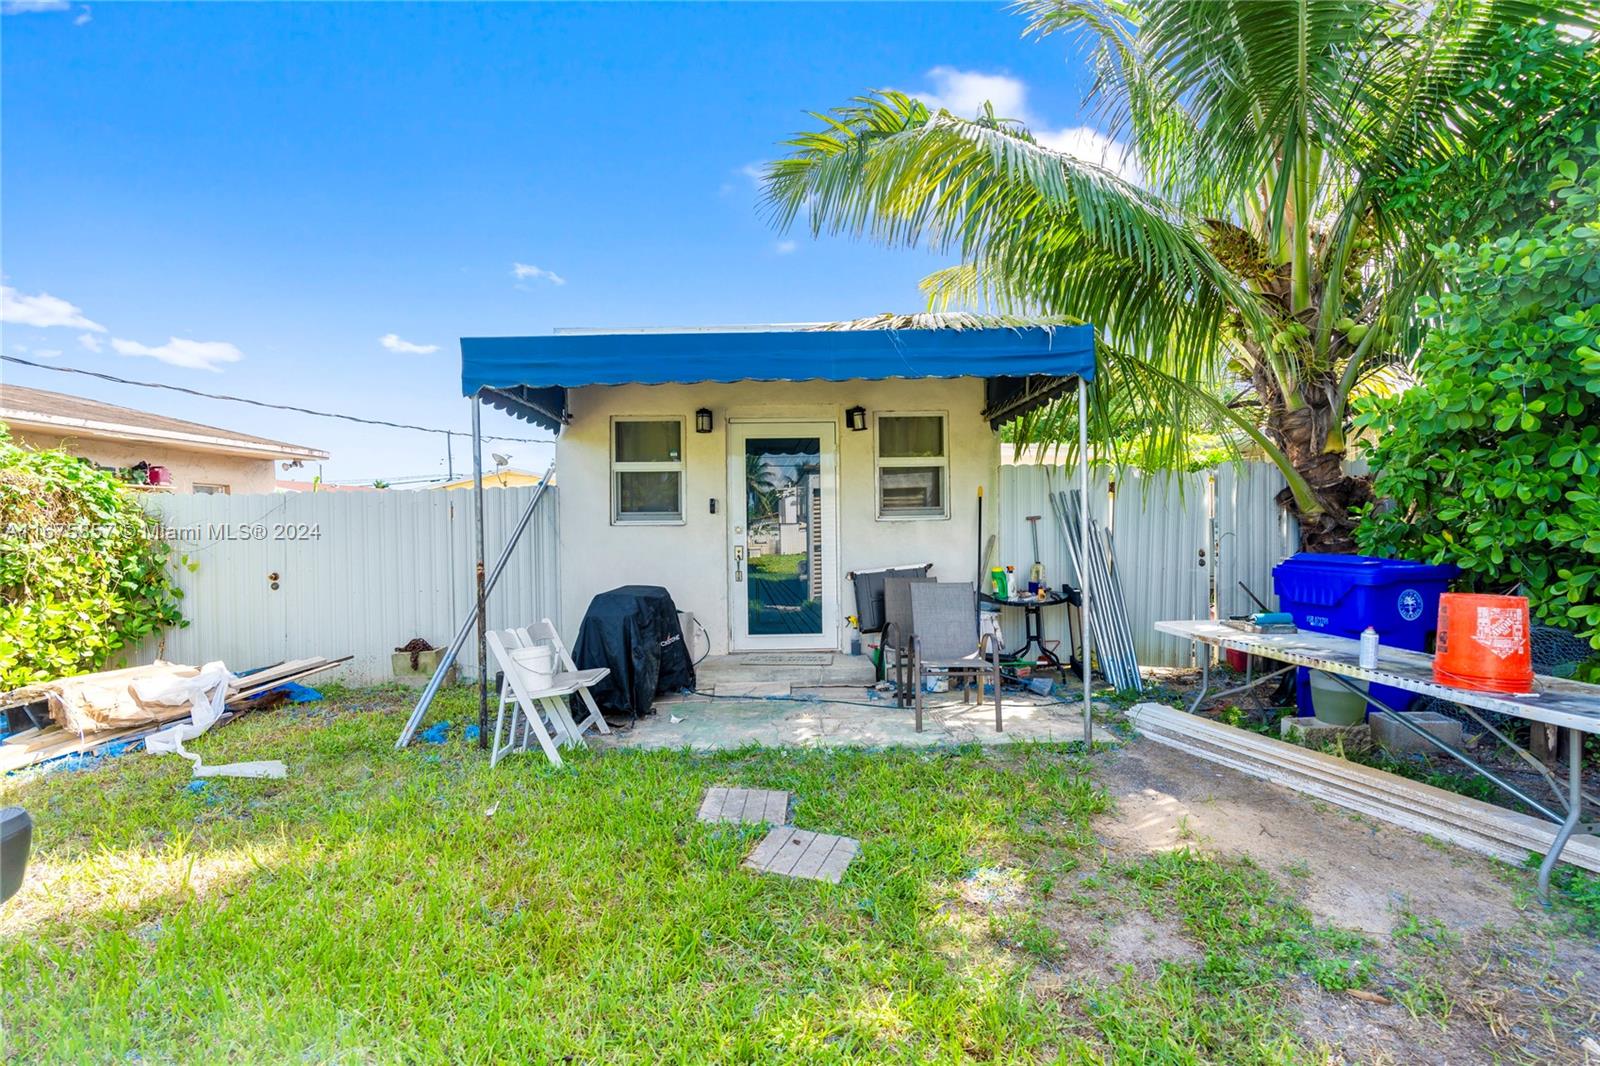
777, 809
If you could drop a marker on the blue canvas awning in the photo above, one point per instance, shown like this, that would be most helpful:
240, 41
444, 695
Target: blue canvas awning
1024, 367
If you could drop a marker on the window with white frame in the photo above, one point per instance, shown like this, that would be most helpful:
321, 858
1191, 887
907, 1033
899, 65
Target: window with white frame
646, 470
913, 466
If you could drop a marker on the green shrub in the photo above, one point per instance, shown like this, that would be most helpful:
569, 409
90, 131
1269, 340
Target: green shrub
1493, 462
80, 573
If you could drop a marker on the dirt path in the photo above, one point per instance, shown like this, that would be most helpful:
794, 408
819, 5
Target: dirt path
1519, 987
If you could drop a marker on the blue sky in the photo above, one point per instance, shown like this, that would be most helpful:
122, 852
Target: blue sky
249, 198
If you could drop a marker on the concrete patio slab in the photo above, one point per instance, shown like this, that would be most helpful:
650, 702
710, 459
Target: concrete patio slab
814, 720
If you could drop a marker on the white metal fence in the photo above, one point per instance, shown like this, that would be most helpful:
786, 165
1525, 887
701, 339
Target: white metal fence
1182, 543
346, 573
290, 576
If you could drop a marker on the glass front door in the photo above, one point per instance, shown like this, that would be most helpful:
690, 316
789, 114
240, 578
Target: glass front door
783, 579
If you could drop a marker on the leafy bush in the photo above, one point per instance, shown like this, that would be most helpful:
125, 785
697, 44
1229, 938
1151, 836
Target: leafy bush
1493, 462
80, 574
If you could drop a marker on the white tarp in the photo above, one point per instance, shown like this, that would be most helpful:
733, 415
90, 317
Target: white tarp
204, 694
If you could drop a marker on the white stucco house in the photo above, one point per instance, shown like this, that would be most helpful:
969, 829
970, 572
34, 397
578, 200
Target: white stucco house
750, 470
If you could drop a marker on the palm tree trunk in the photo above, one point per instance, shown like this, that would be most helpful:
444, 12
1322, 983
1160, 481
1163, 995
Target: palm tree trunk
1303, 435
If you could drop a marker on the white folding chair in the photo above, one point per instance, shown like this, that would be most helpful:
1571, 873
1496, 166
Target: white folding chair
540, 705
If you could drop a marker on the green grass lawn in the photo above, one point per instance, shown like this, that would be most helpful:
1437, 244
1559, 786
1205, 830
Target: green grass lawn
383, 907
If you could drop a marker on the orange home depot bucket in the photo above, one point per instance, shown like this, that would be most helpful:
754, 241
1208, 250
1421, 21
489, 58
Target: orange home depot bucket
1483, 643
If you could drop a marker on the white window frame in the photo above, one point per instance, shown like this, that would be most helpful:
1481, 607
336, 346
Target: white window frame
678, 466
880, 464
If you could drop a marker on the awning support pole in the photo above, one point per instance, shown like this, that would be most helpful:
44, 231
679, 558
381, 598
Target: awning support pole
1083, 533
465, 629
478, 573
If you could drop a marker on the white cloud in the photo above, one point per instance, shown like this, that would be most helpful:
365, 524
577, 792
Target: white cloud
84, 18
48, 353
191, 355
394, 343
28, 7
1092, 146
964, 92
785, 247
526, 271
42, 310
89, 341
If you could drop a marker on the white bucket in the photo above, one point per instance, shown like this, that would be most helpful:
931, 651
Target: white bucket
538, 663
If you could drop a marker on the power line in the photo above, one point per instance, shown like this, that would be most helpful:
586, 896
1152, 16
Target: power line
263, 403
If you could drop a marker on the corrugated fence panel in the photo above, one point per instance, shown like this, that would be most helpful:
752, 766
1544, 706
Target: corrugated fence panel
1160, 525
1025, 490
1254, 534
356, 574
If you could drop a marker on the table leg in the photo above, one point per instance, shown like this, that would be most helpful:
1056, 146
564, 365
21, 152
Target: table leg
1574, 813
1204, 651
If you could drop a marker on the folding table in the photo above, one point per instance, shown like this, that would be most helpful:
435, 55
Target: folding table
1566, 704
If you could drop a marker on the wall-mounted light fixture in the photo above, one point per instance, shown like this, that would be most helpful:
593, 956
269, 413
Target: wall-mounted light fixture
856, 418
702, 420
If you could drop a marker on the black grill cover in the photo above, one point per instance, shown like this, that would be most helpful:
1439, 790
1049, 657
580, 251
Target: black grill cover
633, 631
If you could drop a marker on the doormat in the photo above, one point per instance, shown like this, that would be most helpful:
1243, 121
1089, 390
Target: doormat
788, 658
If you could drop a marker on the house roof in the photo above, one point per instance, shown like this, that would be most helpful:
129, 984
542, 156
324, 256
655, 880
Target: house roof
1024, 366
36, 410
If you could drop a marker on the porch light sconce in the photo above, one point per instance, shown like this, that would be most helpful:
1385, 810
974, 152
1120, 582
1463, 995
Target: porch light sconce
702, 420
856, 418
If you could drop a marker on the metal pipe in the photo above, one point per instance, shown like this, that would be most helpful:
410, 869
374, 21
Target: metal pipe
1574, 813
1083, 534
478, 573
465, 629
1459, 756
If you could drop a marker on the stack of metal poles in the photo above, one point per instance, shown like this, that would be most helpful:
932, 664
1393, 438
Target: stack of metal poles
1113, 638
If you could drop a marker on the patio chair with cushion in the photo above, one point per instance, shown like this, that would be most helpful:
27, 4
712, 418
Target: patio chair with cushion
538, 682
945, 641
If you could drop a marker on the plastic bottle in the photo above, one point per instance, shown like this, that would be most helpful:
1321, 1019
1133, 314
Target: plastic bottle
1369, 649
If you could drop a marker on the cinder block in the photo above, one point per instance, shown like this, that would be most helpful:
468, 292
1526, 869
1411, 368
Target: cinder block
1396, 739
1325, 736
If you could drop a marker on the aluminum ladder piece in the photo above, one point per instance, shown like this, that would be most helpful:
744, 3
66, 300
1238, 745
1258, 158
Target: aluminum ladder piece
467, 623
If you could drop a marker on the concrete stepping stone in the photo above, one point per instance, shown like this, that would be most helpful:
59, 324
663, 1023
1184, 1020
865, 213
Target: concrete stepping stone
791, 852
744, 805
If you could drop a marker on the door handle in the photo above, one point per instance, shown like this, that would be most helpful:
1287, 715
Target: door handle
738, 562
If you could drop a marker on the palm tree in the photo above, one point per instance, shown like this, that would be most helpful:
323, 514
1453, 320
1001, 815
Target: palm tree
761, 491
1258, 274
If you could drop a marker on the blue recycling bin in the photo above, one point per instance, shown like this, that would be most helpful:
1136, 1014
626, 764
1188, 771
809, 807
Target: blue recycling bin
1344, 594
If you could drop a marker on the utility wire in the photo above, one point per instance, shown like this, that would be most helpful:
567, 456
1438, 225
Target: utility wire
263, 403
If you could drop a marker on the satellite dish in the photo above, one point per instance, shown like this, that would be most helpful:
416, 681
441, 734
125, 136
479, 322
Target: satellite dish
501, 460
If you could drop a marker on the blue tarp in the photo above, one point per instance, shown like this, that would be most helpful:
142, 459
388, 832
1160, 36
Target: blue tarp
1024, 367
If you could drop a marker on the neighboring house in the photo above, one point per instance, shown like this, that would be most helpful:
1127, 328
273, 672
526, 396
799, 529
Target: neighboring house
507, 478
752, 500
291, 485
196, 458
